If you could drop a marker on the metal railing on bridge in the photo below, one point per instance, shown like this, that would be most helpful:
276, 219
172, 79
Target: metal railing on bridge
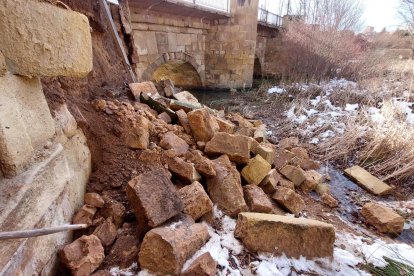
269, 18
219, 5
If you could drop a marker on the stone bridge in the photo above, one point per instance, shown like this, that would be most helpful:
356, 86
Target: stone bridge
213, 44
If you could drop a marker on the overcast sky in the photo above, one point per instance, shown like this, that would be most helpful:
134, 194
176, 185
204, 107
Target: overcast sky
378, 13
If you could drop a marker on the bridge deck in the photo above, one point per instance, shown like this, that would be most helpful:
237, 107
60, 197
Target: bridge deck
183, 8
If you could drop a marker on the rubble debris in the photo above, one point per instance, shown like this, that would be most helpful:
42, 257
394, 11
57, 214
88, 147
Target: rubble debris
295, 237
165, 249
282, 158
236, 147
225, 126
294, 174
225, 188
165, 117
182, 169
329, 200
187, 97
256, 170
368, 181
288, 143
257, 200
146, 87
384, 219
196, 201
94, 199
183, 119
202, 164
312, 179
115, 210
84, 215
204, 265
106, 232
171, 141
83, 256
290, 200
202, 124
153, 198
265, 150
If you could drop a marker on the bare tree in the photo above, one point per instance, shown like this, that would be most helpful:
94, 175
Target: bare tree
406, 13
332, 15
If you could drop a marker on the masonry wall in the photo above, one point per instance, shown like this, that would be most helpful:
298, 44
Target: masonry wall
160, 38
44, 160
230, 47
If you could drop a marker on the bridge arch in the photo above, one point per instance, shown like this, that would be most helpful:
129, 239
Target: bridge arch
175, 61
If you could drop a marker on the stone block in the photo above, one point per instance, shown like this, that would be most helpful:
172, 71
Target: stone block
153, 198
83, 256
368, 181
237, 147
204, 265
202, 164
146, 87
225, 188
225, 126
196, 201
94, 199
84, 215
106, 232
290, 200
40, 39
164, 250
182, 169
257, 200
295, 237
312, 179
282, 158
265, 150
294, 174
183, 119
256, 170
170, 141
202, 124
384, 219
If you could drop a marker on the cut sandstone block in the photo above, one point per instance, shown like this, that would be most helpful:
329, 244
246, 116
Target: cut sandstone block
257, 200
295, 236
83, 256
202, 124
256, 170
273, 180
202, 164
153, 198
225, 188
183, 118
312, 179
225, 126
294, 174
172, 141
289, 200
40, 39
182, 169
265, 150
146, 87
204, 265
368, 181
384, 219
165, 249
187, 97
196, 201
237, 147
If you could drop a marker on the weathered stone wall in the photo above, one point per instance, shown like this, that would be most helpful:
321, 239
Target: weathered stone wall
271, 52
44, 160
230, 47
161, 38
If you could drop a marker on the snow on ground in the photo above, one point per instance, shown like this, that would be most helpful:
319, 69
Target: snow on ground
350, 253
320, 119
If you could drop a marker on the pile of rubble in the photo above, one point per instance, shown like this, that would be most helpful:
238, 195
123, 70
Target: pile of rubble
200, 157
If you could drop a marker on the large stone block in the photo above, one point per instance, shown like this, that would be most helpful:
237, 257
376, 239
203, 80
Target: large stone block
384, 219
237, 147
25, 121
165, 249
225, 188
153, 198
295, 236
39, 39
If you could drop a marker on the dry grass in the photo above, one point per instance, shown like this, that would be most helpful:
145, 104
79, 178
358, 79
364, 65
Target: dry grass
383, 148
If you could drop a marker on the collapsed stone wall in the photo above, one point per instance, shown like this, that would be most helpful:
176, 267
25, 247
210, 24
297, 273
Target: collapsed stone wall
44, 159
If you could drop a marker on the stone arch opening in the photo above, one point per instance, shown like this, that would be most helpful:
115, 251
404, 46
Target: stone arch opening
183, 69
257, 69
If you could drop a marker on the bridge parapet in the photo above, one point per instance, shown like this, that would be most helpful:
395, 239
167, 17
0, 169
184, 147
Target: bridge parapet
269, 19
219, 5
